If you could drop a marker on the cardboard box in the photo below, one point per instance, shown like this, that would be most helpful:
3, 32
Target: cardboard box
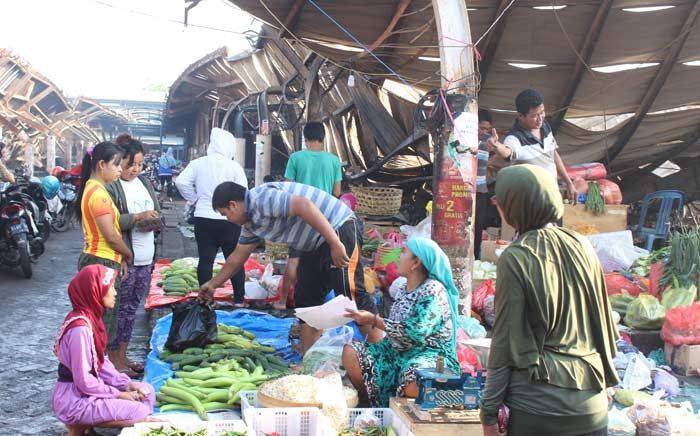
683, 359
488, 250
613, 220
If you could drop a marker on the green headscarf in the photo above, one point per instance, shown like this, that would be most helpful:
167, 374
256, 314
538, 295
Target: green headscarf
438, 265
529, 197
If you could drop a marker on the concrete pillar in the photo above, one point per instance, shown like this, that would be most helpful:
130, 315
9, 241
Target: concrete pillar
263, 157
50, 153
239, 151
455, 169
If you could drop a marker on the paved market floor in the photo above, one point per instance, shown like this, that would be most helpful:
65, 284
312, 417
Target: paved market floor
31, 312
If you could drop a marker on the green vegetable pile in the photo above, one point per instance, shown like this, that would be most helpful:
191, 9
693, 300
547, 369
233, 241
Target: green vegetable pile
642, 265
180, 278
212, 378
594, 200
369, 431
163, 431
371, 246
683, 264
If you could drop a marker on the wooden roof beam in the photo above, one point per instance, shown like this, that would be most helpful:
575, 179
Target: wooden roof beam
199, 82
586, 53
653, 91
292, 18
16, 86
398, 13
36, 99
493, 39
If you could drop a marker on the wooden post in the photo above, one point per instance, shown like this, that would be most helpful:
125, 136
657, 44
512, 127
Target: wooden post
50, 153
454, 184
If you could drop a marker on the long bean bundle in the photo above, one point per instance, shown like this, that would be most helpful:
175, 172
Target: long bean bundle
684, 259
594, 201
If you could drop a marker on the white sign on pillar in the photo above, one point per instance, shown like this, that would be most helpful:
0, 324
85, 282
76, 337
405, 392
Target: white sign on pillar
50, 153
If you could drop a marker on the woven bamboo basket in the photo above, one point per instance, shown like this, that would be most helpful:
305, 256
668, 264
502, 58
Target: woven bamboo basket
375, 201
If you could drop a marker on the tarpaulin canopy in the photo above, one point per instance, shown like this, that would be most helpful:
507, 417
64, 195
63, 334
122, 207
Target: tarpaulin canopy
575, 52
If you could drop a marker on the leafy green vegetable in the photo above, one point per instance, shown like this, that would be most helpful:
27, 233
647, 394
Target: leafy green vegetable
594, 200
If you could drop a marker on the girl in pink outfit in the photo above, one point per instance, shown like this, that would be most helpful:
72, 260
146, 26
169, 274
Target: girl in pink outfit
90, 391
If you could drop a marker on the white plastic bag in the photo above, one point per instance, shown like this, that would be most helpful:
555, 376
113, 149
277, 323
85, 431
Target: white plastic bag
616, 250
254, 291
421, 229
619, 423
327, 353
638, 373
270, 281
396, 286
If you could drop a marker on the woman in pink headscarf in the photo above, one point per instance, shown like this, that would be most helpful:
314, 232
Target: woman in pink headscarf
90, 391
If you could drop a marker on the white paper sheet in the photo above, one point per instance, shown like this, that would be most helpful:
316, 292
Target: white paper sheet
329, 315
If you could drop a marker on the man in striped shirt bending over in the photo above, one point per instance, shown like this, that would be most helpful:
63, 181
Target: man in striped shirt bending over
309, 220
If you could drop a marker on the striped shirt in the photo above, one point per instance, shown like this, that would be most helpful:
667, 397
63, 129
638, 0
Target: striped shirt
268, 208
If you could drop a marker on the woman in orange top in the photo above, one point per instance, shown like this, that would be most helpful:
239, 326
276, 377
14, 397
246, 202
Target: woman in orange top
100, 220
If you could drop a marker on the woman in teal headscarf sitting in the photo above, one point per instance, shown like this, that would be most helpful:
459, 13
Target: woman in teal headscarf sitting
420, 328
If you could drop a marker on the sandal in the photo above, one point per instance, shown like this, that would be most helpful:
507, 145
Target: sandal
137, 367
240, 305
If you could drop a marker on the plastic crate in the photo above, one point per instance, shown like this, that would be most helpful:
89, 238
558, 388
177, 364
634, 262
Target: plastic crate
250, 408
213, 428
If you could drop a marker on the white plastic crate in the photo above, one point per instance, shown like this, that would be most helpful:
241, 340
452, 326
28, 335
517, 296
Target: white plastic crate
250, 408
214, 428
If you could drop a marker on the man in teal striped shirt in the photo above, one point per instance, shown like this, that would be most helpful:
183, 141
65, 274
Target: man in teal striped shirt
308, 220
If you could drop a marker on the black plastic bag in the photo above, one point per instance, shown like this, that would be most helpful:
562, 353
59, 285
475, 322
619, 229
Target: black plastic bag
194, 325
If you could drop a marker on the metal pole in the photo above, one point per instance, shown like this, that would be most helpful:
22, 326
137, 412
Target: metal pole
454, 183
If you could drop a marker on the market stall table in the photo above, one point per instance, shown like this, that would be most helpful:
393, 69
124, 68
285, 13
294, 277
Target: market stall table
436, 422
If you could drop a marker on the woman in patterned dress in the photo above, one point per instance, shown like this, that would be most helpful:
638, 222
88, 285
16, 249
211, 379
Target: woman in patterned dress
421, 327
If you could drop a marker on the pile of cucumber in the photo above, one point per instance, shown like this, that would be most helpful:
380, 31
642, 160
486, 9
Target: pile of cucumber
211, 378
180, 278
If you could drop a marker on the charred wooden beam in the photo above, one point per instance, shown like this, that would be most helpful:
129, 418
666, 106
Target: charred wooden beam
16, 86
493, 39
292, 18
655, 87
586, 53
398, 13
199, 82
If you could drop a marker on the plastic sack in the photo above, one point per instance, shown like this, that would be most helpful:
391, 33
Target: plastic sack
619, 423
581, 186
254, 291
253, 269
269, 281
327, 352
610, 191
617, 283
396, 286
628, 397
194, 325
659, 418
479, 296
616, 250
682, 325
366, 420
471, 327
637, 374
422, 229
678, 296
490, 310
656, 271
666, 382
587, 171
645, 313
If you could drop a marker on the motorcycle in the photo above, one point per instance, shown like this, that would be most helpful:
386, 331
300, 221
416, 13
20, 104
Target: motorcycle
62, 218
20, 241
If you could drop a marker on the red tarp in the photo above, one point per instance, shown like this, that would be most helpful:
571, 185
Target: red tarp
157, 298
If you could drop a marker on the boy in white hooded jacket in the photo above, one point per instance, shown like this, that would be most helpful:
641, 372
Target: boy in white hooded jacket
212, 231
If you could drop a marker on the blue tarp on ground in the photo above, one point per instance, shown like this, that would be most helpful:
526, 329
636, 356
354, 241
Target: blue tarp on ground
268, 330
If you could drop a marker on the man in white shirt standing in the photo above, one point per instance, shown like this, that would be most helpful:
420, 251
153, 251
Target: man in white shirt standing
211, 230
531, 140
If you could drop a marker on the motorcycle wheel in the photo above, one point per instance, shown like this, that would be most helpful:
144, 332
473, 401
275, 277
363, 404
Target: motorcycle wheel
62, 221
25, 261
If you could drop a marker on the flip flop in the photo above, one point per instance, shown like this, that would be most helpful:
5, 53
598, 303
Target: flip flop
137, 367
